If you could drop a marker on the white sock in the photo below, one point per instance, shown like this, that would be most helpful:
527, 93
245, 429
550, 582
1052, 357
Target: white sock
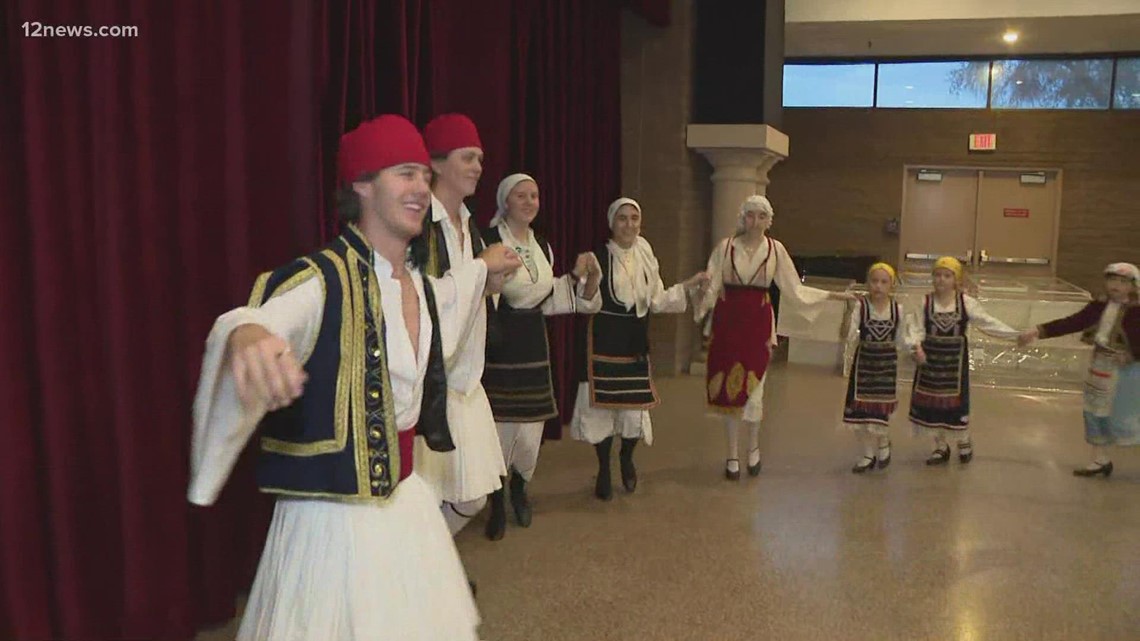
868, 445
732, 465
753, 457
884, 444
753, 440
1100, 457
732, 434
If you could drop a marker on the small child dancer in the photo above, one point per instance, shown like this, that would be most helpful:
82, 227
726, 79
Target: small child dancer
877, 324
940, 400
1112, 389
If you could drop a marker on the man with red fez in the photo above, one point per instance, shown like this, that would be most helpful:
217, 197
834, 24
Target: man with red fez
462, 478
339, 357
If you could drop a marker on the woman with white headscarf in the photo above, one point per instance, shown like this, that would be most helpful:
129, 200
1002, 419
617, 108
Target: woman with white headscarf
616, 387
741, 270
1112, 389
517, 376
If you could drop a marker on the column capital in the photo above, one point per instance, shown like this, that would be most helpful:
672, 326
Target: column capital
739, 152
741, 156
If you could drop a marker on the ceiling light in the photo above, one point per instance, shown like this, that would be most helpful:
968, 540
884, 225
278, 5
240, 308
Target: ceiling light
1020, 81
1010, 37
910, 86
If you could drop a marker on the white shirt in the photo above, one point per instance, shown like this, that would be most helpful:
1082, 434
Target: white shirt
465, 368
223, 425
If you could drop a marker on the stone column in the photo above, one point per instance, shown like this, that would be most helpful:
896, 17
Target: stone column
741, 157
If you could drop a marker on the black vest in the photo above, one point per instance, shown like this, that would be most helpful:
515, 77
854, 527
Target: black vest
340, 439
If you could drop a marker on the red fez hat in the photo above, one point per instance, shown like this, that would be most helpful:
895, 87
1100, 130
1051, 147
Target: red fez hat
448, 132
382, 142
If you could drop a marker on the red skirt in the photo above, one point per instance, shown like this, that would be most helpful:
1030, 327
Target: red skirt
738, 352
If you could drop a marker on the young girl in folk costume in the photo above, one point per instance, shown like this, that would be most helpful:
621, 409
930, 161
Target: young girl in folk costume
517, 376
877, 323
940, 401
616, 389
741, 270
1112, 390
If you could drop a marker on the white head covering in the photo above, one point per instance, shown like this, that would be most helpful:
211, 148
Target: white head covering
755, 203
635, 285
505, 187
1127, 270
616, 205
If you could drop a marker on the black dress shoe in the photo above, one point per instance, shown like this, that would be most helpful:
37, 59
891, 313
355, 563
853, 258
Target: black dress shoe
965, 452
729, 474
866, 463
1105, 469
939, 456
754, 470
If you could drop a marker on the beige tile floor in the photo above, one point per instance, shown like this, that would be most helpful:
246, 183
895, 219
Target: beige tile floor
1010, 546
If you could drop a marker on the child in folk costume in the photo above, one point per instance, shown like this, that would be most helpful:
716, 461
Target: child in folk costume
1112, 389
877, 323
465, 477
616, 389
741, 270
518, 376
940, 400
357, 548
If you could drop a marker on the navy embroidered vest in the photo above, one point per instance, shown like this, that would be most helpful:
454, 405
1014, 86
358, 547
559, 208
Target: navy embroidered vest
340, 439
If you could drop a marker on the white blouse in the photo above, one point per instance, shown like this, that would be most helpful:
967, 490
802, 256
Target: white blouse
635, 281
534, 283
902, 331
979, 318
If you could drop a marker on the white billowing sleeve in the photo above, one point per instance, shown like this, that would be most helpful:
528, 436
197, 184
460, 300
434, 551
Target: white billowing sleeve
916, 326
853, 322
983, 321
459, 299
789, 283
568, 298
668, 301
904, 339
222, 423
715, 270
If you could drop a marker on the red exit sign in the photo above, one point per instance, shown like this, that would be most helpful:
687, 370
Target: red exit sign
1015, 212
983, 142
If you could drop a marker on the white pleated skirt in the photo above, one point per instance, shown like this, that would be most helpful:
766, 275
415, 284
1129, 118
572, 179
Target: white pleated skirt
334, 571
475, 467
